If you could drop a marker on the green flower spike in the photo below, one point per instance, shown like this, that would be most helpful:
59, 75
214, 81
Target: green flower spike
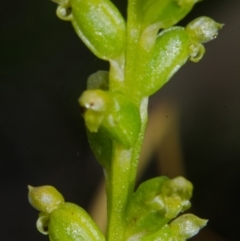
143, 54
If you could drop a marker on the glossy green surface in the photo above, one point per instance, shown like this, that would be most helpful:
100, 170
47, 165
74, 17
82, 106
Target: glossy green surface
100, 25
170, 52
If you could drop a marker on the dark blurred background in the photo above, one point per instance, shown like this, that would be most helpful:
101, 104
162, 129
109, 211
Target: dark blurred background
43, 70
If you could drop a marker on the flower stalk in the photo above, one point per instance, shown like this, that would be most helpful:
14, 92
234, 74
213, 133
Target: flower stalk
143, 52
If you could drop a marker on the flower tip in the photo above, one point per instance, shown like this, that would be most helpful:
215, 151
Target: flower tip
187, 225
203, 29
44, 198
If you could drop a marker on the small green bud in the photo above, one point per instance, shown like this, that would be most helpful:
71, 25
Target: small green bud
114, 113
100, 26
187, 225
163, 234
203, 29
71, 223
45, 198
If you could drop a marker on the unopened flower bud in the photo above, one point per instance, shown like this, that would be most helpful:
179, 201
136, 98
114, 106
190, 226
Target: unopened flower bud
45, 198
203, 29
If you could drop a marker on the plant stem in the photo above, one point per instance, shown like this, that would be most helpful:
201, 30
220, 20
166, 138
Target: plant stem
133, 35
118, 192
121, 175
121, 180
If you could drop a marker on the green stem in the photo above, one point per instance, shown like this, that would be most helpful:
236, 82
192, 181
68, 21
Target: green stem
121, 175
121, 180
133, 35
117, 192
